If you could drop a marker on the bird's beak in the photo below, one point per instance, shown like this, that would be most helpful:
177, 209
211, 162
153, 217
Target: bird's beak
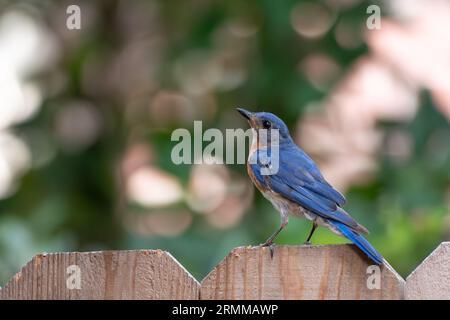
246, 114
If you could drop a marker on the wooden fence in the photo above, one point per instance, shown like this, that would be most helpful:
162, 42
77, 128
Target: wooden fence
294, 272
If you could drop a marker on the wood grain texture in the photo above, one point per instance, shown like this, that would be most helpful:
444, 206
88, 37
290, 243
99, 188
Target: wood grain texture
298, 272
431, 279
140, 274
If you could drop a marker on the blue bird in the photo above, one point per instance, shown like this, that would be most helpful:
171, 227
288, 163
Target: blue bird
295, 186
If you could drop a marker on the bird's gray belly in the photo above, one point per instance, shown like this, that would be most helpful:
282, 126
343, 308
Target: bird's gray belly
287, 207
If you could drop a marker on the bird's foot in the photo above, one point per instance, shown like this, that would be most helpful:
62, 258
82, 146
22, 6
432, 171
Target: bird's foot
266, 244
307, 243
271, 246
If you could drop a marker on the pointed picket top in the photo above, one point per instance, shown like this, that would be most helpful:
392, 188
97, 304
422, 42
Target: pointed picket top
431, 279
301, 272
136, 274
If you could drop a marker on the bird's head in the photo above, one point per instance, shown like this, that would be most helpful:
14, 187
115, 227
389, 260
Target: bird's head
267, 121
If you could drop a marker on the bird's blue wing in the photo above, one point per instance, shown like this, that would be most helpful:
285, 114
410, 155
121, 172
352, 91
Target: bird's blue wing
319, 205
299, 180
305, 172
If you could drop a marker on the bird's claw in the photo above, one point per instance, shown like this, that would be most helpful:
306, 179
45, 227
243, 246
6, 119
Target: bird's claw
271, 246
307, 243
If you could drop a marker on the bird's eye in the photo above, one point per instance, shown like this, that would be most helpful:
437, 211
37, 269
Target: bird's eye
266, 124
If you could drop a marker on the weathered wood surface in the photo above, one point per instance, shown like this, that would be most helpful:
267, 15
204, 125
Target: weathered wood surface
431, 279
295, 272
299, 272
140, 274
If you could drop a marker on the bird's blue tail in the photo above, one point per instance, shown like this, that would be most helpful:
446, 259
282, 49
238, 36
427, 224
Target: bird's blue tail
360, 241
